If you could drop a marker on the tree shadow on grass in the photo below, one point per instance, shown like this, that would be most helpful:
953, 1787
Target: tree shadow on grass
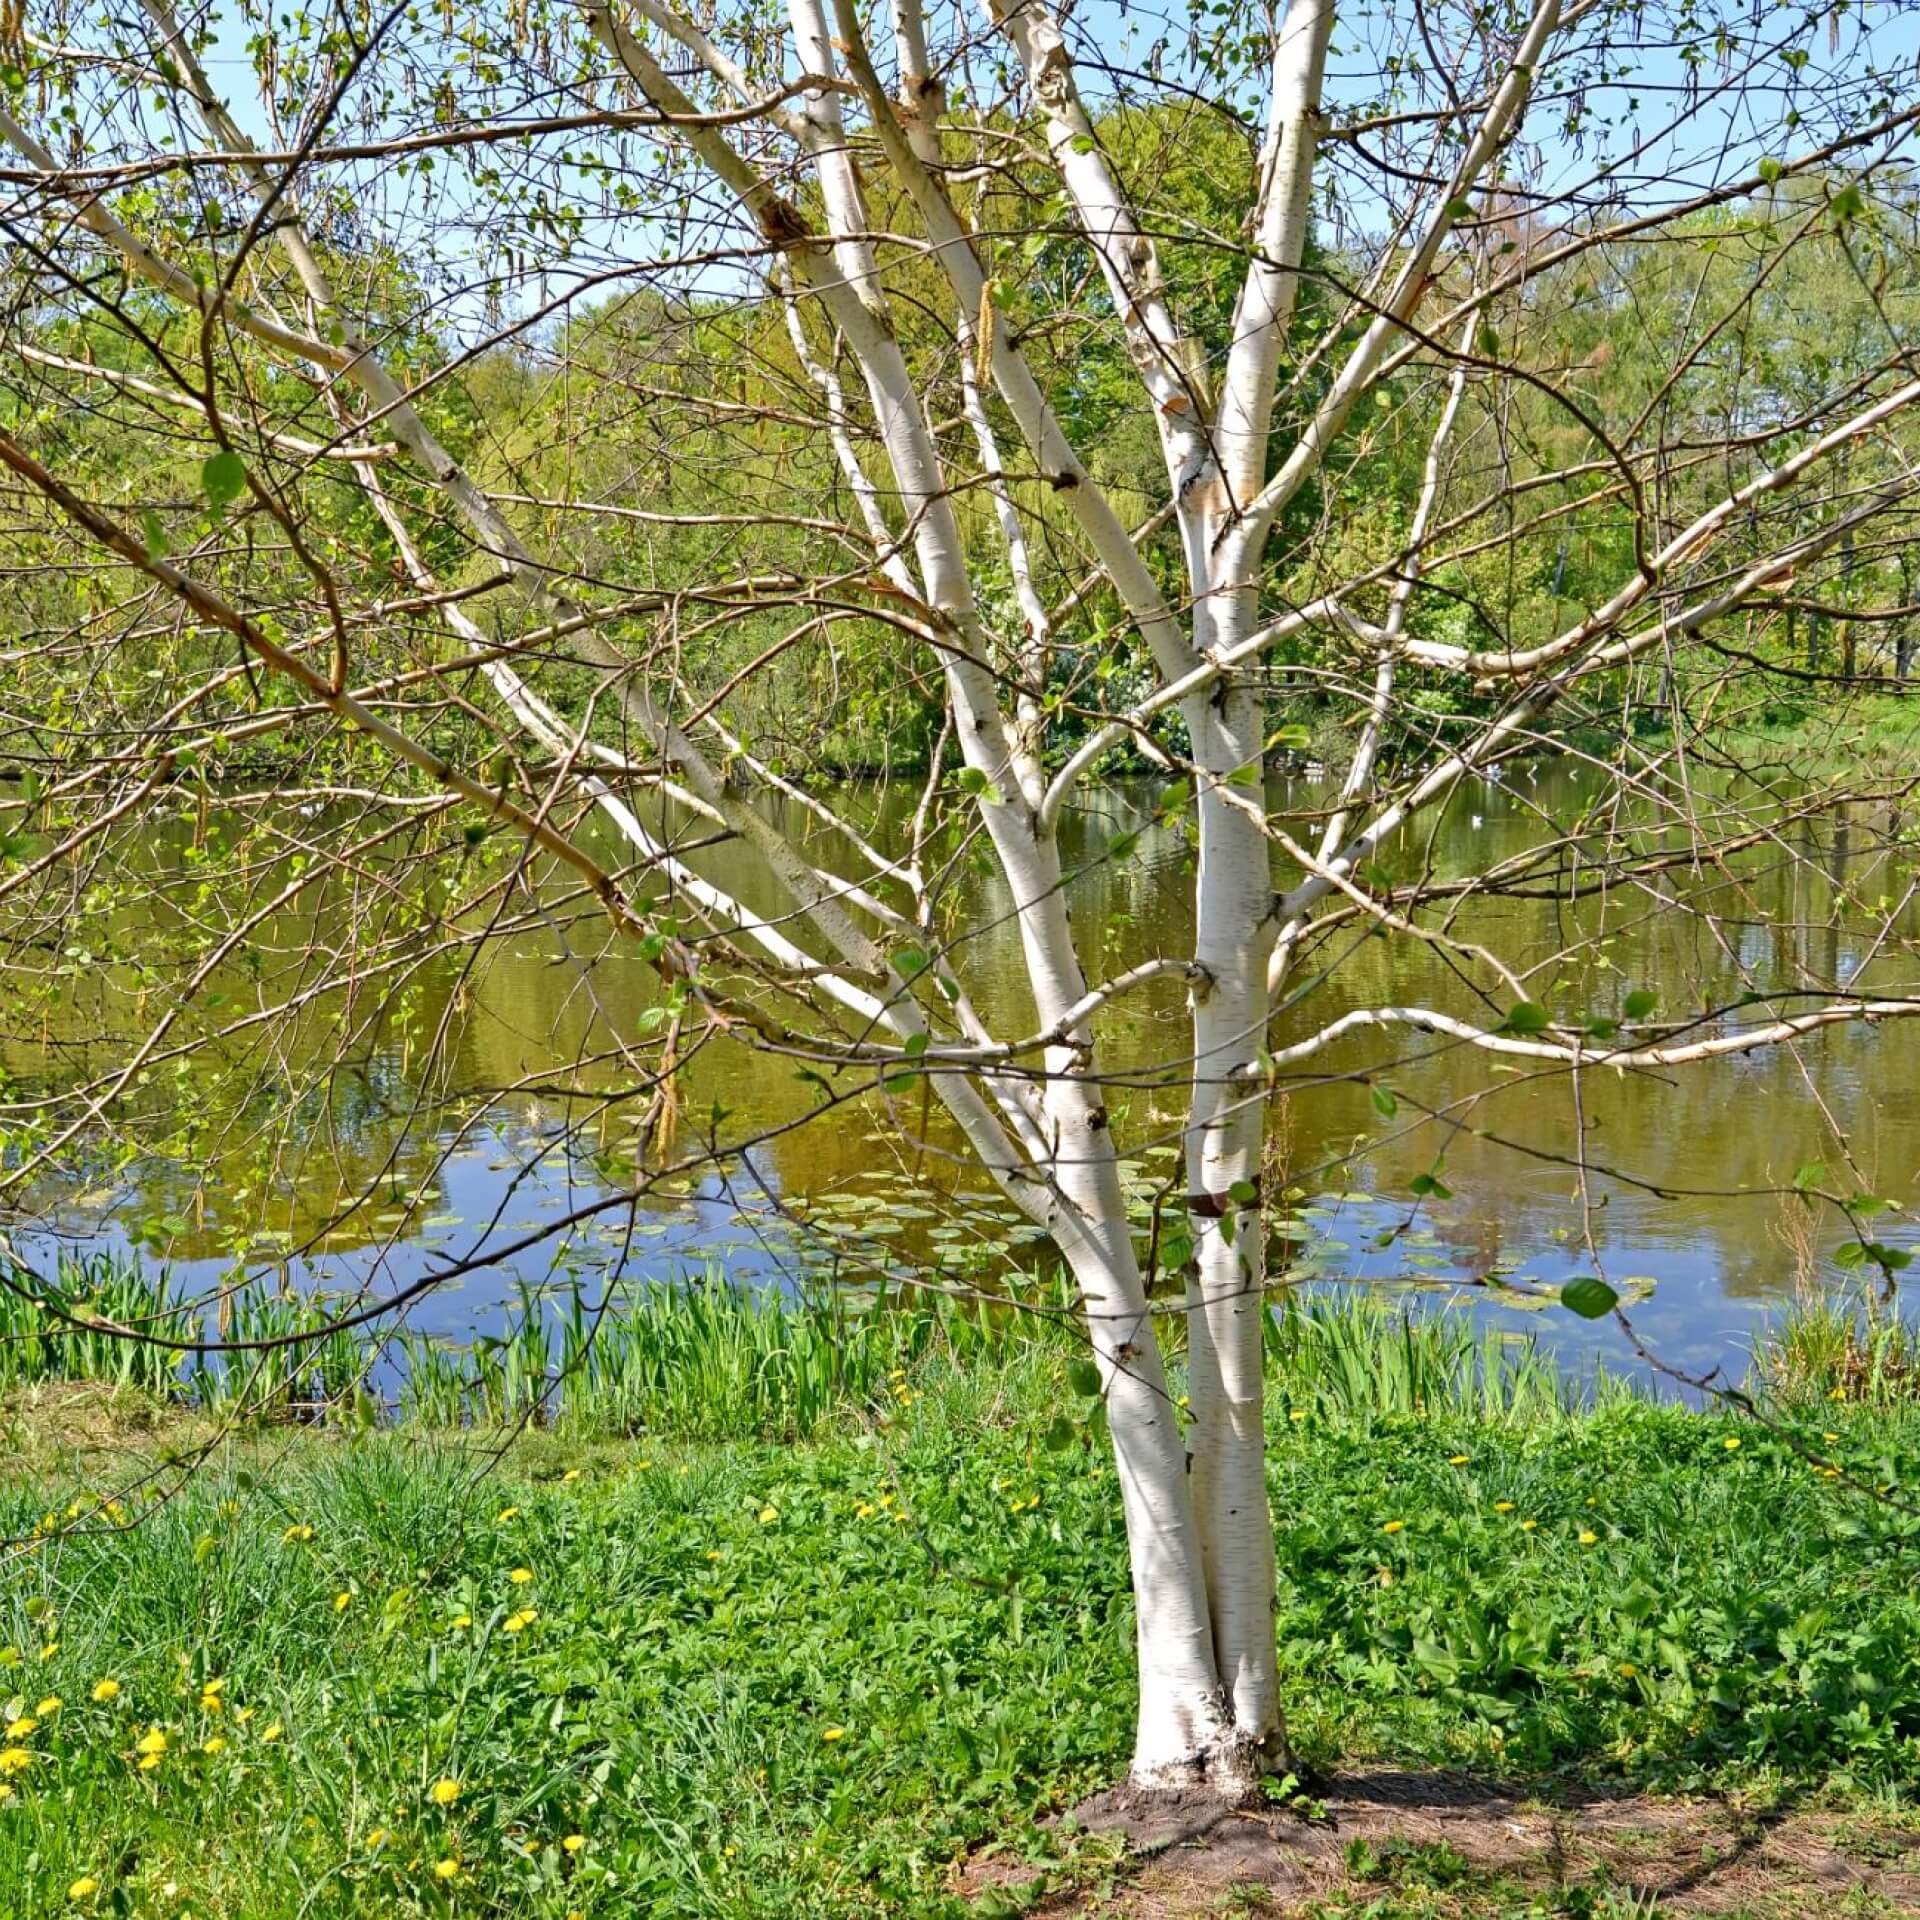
1456, 1845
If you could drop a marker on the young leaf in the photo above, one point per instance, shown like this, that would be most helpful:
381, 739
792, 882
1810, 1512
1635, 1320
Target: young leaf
223, 478
1384, 1103
1527, 1016
1084, 1378
1588, 1297
1640, 1002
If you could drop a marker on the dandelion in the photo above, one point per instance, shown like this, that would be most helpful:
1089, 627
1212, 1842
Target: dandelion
24, 1728
520, 1576
84, 1888
1588, 1537
1527, 1526
377, 1839
713, 1553
1394, 1526
241, 1715
14, 1760
153, 1742
272, 1730
213, 1744
446, 1869
50, 1649
1829, 1436
833, 1733
48, 1707
574, 1842
462, 1621
505, 1514
864, 1511
768, 1515
1457, 1460
1503, 1506
570, 1476
519, 1622
342, 1601
1297, 1415
443, 1793
1732, 1444
1628, 1669
296, 1532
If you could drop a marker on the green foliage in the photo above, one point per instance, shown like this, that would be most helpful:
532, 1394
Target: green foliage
773, 1680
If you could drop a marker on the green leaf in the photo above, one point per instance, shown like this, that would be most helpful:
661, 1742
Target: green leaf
916, 1045
155, 535
1383, 1102
223, 478
1084, 1378
1294, 737
1769, 169
1853, 1254
1528, 1016
1848, 204
1641, 1002
972, 780
1243, 1193
910, 960
1588, 1297
901, 1082
1429, 1187
1812, 1174
1458, 210
1060, 1434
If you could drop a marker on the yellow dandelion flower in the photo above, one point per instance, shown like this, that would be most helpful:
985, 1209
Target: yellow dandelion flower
24, 1728
377, 1839
443, 1793
446, 1869
154, 1740
297, 1532
864, 1511
149, 1761
216, 1685
570, 1476
520, 1576
213, 1744
461, 1620
1457, 1459
212, 1703
1503, 1506
519, 1622
14, 1760
48, 1707
1731, 1444
241, 1715
1588, 1537
84, 1888
1829, 1436
768, 1515
1628, 1669
50, 1649
1527, 1526
272, 1730
1298, 1414
1394, 1526
505, 1514
713, 1553
574, 1842
342, 1601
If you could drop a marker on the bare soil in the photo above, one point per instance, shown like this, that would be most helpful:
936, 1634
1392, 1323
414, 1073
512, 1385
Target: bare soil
1397, 1844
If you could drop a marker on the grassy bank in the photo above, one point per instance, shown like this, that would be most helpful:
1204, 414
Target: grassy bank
744, 1677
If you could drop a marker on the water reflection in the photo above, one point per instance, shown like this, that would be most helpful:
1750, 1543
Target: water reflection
457, 1112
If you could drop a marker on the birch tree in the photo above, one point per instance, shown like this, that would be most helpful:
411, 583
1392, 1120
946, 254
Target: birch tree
297, 260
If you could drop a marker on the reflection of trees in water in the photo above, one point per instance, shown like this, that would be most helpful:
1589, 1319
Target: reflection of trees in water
336, 1096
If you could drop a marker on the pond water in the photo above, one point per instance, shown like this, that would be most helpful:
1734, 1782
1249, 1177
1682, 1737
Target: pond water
455, 1112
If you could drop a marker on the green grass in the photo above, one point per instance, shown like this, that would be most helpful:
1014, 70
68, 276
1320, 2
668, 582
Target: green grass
779, 1679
